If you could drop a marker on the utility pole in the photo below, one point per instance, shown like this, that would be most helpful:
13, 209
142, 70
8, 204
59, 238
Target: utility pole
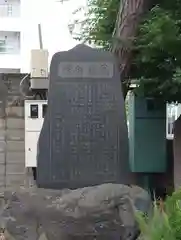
40, 36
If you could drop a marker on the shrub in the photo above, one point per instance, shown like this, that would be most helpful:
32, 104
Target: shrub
165, 221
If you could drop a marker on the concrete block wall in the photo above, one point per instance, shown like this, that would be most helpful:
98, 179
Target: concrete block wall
12, 149
12, 152
15, 148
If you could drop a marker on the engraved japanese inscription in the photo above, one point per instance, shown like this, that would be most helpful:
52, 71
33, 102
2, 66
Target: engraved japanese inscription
89, 133
85, 125
85, 70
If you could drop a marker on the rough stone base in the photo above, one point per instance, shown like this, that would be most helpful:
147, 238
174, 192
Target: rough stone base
101, 212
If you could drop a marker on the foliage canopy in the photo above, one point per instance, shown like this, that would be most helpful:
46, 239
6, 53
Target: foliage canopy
99, 22
156, 52
157, 56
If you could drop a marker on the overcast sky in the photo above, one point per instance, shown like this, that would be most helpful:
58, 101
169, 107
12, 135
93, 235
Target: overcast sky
55, 19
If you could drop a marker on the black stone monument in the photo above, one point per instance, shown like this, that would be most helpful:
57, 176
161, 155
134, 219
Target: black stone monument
84, 139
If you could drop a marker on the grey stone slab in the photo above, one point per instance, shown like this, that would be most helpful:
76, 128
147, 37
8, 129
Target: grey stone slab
15, 157
15, 135
2, 134
3, 96
15, 111
15, 168
15, 146
2, 182
15, 180
2, 146
15, 123
2, 123
2, 169
2, 157
85, 126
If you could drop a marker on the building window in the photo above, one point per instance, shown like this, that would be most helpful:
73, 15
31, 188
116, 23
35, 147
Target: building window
9, 10
9, 42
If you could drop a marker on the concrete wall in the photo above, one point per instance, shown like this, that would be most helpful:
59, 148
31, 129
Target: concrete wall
15, 153
12, 152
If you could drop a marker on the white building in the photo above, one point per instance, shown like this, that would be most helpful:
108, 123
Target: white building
10, 34
19, 21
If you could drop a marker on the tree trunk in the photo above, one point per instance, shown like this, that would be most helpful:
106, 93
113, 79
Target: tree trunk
129, 16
